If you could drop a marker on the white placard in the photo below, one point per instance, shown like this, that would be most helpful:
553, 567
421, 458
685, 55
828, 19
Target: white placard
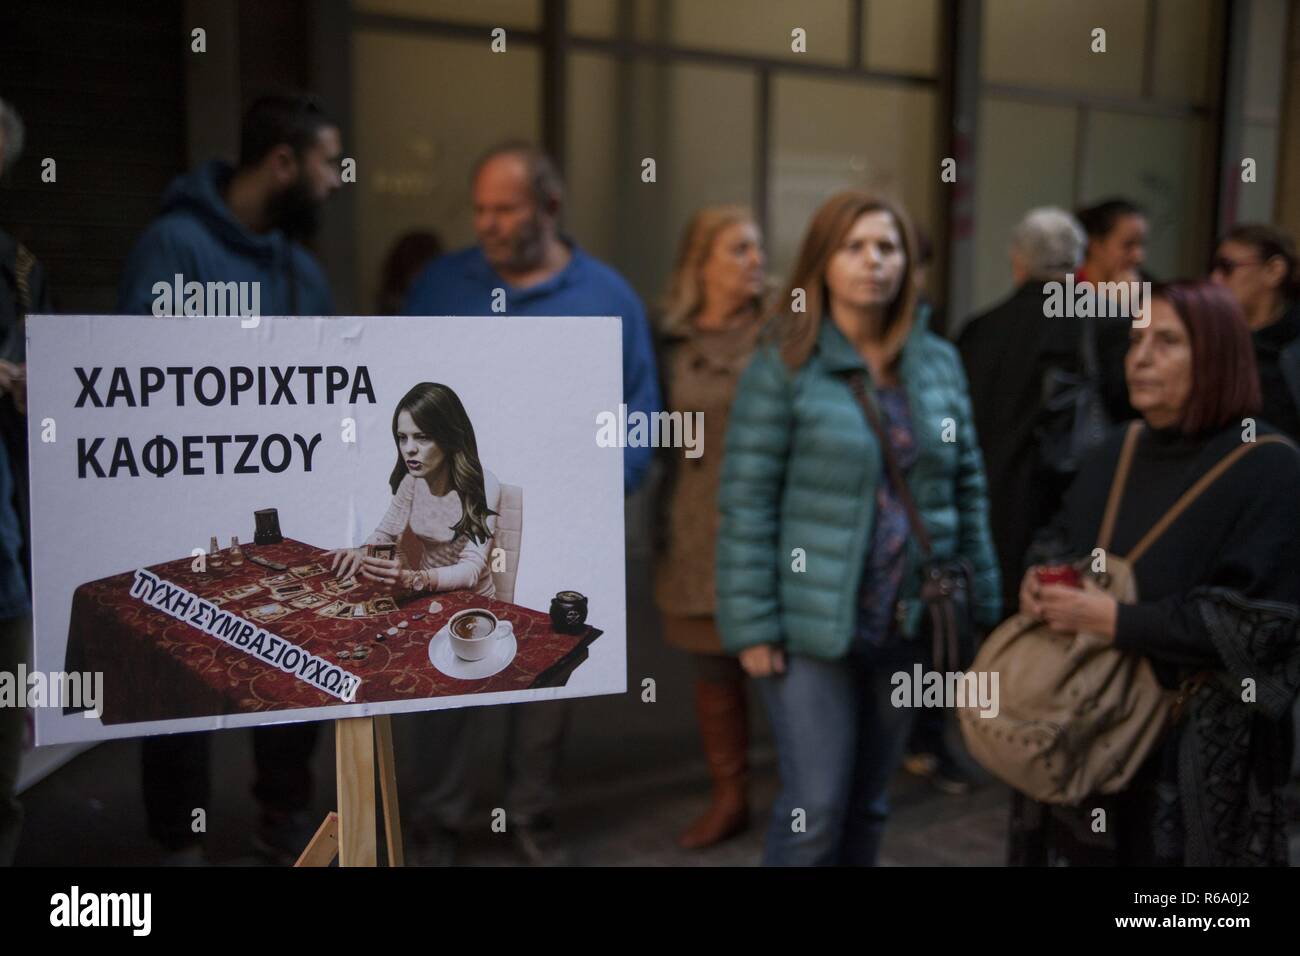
533, 389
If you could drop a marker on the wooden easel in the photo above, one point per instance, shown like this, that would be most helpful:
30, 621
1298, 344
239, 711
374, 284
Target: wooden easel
349, 832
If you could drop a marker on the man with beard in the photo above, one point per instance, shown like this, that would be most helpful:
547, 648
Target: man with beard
224, 224
517, 197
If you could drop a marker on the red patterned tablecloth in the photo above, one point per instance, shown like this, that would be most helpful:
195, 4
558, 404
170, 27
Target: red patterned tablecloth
159, 668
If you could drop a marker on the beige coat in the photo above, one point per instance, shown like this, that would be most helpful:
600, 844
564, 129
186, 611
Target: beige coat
700, 373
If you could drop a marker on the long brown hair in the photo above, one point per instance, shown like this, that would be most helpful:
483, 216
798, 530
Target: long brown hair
685, 295
797, 331
437, 411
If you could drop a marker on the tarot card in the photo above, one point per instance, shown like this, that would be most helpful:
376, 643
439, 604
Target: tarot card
308, 570
340, 587
283, 591
309, 600
276, 580
385, 551
332, 609
268, 612
241, 592
382, 605
345, 610
360, 610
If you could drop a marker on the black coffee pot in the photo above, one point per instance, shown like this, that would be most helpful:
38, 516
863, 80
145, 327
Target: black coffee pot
568, 612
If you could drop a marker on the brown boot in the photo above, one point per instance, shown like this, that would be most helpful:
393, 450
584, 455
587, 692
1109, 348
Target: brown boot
721, 712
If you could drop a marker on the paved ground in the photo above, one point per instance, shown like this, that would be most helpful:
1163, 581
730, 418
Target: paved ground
89, 813
633, 778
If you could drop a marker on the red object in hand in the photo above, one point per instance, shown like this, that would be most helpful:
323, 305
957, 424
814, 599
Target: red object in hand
1059, 574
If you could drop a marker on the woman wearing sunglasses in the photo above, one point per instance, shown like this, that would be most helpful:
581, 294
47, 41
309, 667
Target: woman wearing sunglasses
1258, 265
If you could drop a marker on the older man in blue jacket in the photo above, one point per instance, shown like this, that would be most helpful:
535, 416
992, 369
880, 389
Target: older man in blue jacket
522, 265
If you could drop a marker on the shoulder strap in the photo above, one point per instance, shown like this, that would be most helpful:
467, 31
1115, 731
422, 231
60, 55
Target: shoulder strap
1194, 492
1117, 485
857, 382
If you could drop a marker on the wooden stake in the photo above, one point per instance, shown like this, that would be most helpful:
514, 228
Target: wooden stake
388, 791
324, 846
349, 832
354, 745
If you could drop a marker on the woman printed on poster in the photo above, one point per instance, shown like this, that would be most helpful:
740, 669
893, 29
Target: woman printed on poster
442, 496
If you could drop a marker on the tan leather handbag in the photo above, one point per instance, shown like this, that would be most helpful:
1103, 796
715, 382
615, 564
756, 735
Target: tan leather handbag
1076, 715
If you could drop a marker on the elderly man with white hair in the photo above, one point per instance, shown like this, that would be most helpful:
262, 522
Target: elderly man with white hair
22, 291
1029, 374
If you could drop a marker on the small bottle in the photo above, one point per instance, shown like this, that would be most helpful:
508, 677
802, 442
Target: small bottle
214, 553
236, 553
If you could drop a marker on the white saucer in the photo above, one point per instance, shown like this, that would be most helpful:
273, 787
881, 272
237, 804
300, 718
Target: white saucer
445, 660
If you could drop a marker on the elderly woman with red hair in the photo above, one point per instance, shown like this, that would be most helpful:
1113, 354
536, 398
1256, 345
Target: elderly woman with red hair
1218, 601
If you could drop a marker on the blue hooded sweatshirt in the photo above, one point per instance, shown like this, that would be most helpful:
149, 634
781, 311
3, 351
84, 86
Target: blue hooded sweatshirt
199, 238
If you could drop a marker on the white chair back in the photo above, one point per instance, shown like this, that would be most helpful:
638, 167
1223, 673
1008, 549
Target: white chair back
509, 537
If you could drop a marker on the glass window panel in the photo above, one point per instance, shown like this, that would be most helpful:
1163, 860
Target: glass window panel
593, 123
696, 122
1184, 48
1025, 159
834, 134
593, 18
760, 27
1048, 44
497, 13
603, 19
1265, 63
417, 133
901, 36
1255, 200
1288, 199
1159, 162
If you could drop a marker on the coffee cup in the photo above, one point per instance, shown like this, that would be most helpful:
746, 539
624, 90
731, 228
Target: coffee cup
474, 631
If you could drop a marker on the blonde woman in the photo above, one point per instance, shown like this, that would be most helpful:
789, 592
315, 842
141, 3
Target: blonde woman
708, 330
817, 571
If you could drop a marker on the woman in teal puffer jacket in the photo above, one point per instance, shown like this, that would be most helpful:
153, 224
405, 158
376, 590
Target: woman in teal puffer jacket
817, 570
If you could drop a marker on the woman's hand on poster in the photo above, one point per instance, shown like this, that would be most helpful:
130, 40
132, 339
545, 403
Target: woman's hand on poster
763, 660
383, 570
346, 562
1070, 610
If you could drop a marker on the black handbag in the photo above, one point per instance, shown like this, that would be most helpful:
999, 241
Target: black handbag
945, 582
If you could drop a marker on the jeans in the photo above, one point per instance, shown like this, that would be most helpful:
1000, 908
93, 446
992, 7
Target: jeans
838, 741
